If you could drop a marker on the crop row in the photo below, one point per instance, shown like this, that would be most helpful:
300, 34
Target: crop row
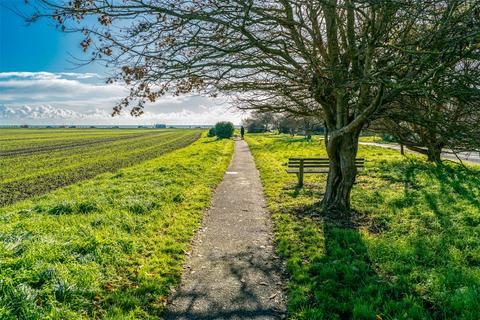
47, 162
28, 134
25, 139
89, 165
75, 144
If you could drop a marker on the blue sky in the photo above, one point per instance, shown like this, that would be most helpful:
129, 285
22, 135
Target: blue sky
36, 47
41, 84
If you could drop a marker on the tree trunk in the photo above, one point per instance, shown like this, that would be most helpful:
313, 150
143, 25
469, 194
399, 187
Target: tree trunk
325, 134
434, 153
342, 151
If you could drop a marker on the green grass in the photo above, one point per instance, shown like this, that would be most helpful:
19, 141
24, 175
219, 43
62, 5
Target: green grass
36, 171
14, 139
110, 247
376, 139
411, 250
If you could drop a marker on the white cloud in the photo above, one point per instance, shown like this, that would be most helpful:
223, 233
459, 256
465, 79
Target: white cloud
47, 75
29, 75
38, 113
80, 75
47, 114
45, 97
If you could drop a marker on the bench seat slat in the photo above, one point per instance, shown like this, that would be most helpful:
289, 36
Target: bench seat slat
306, 161
326, 162
308, 170
318, 162
325, 165
296, 169
327, 159
321, 160
307, 166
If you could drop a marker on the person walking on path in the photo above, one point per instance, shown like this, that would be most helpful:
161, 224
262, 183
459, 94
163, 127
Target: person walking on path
242, 131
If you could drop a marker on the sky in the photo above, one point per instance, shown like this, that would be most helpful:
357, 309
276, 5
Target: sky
41, 83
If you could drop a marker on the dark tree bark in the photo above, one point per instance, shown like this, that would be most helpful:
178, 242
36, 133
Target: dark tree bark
325, 134
434, 153
342, 152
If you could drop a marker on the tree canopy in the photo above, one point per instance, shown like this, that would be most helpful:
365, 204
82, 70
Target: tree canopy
346, 61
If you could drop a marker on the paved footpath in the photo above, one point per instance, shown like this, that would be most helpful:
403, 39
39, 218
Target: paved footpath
232, 271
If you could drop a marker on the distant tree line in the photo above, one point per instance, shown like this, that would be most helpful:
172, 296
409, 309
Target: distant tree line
259, 122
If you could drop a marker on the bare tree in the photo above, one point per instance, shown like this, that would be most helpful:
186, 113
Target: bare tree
260, 122
447, 116
288, 124
342, 60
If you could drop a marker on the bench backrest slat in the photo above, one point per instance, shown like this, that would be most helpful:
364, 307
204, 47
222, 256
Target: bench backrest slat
318, 162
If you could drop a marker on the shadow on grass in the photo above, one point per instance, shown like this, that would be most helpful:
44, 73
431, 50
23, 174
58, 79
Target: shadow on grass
308, 189
343, 282
419, 269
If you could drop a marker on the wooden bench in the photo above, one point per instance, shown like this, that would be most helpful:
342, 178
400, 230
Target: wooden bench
300, 166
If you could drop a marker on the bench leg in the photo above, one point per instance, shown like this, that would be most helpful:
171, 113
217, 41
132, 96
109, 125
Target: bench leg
300, 174
300, 179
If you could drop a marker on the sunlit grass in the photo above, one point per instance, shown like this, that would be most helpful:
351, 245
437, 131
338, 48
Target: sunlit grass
410, 251
40, 171
110, 247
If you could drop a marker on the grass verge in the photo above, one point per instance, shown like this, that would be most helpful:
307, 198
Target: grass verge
110, 247
410, 251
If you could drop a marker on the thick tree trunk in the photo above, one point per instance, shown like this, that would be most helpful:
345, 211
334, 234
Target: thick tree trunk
434, 153
342, 152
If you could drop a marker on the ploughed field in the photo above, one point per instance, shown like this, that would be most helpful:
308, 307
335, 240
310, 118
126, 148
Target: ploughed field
36, 161
112, 245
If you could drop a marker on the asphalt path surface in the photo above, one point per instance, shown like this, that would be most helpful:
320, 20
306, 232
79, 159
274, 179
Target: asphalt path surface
232, 271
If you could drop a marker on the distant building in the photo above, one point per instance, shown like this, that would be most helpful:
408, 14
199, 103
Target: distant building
160, 126
24, 126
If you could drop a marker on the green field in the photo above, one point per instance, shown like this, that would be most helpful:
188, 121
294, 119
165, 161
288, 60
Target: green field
410, 251
110, 247
100, 221
36, 161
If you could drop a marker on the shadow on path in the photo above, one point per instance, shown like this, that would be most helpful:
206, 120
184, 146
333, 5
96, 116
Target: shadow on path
232, 271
